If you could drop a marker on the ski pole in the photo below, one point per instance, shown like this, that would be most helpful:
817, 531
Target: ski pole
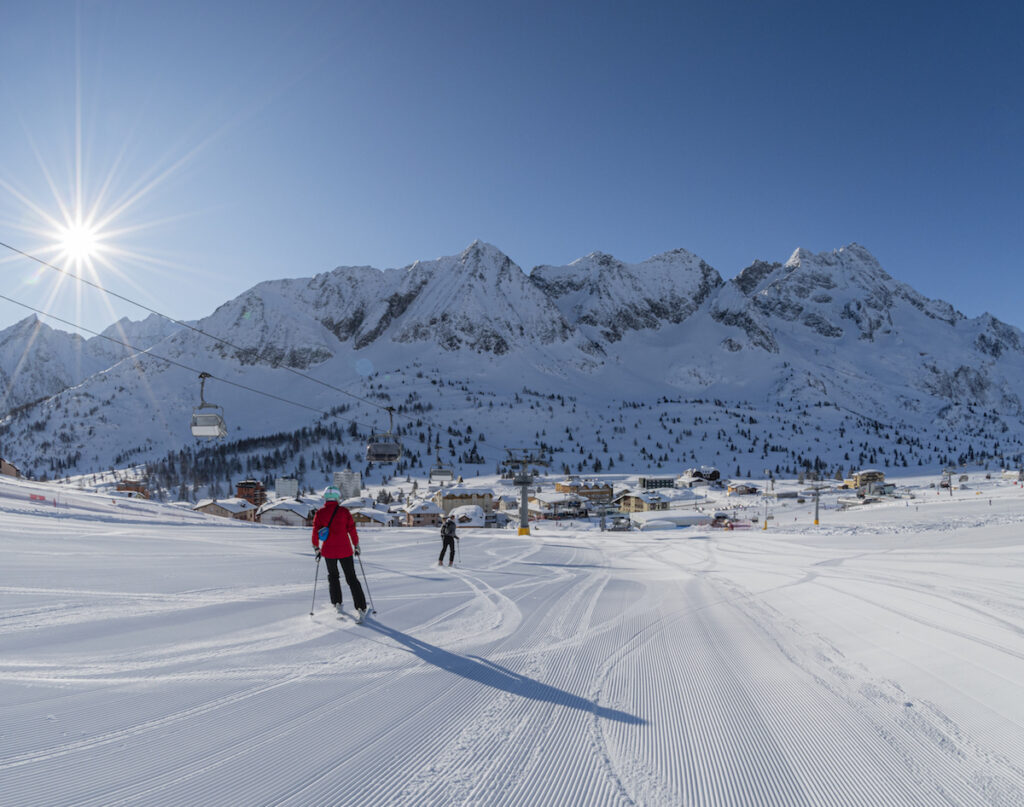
458, 549
315, 578
366, 585
369, 596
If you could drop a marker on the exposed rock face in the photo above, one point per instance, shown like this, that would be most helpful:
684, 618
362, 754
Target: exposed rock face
615, 297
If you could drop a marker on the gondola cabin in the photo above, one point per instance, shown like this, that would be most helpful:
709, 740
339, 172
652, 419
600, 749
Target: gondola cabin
208, 423
207, 418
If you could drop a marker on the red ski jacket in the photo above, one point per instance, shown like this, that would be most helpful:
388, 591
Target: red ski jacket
343, 530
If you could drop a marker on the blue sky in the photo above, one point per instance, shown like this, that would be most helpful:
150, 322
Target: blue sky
239, 142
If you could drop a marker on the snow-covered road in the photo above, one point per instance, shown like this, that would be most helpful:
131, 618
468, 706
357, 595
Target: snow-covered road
876, 660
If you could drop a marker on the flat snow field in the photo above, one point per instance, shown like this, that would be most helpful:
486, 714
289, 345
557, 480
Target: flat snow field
151, 657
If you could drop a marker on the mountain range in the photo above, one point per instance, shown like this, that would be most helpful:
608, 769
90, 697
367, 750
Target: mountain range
471, 344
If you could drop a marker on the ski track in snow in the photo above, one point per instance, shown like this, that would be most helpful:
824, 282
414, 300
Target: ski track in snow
177, 663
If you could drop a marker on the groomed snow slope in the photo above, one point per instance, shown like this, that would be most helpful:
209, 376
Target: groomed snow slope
152, 657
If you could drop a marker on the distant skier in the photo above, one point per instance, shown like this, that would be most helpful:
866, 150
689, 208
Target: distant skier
448, 539
340, 543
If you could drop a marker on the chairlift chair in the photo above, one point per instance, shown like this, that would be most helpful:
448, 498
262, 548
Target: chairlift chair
440, 473
208, 423
384, 447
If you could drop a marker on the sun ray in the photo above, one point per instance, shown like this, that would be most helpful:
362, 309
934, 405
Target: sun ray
65, 210
146, 185
35, 208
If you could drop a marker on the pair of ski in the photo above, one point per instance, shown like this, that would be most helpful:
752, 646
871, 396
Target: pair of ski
358, 618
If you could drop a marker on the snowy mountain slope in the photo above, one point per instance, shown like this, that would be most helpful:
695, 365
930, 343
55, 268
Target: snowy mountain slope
37, 361
838, 323
480, 301
469, 344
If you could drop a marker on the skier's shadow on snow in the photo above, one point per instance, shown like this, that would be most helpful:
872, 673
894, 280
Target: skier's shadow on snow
474, 668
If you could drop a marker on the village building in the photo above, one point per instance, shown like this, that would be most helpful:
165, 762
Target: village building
655, 482
286, 488
861, 479
556, 505
240, 509
463, 495
496, 519
7, 469
136, 489
642, 501
369, 517
469, 515
695, 477
741, 489
349, 482
587, 488
252, 491
287, 513
422, 514
506, 503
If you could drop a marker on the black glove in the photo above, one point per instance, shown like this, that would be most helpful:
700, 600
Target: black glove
355, 551
317, 554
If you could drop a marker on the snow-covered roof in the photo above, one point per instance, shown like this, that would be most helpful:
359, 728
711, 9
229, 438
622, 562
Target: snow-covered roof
358, 502
376, 515
661, 495
423, 507
301, 508
469, 515
465, 490
586, 484
231, 505
545, 497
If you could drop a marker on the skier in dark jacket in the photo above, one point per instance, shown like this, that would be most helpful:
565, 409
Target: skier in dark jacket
448, 538
339, 544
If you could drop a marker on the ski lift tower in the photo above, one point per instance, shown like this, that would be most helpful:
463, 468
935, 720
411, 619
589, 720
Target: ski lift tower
522, 459
947, 477
767, 478
818, 487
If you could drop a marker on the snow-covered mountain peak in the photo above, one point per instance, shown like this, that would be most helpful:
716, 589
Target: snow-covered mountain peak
601, 291
478, 300
482, 251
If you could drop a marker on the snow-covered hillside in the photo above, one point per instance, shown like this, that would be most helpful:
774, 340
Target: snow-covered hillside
155, 657
37, 361
823, 361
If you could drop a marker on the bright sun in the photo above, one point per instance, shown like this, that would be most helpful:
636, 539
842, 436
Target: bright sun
79, 242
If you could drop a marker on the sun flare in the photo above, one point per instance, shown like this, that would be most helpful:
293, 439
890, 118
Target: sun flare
79, 242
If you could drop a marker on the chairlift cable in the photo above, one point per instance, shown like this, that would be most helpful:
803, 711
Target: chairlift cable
169, 318
142, 352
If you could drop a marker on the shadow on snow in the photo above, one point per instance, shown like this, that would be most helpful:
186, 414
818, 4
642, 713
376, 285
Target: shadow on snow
474, 668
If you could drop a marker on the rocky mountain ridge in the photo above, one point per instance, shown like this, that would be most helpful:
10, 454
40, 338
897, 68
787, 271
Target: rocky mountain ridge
831, 328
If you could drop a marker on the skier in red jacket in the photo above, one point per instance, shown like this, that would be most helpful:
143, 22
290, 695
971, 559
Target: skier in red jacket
339, 543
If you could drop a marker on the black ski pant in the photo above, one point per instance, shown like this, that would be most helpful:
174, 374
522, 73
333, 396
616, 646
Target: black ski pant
449, 543
348, 566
